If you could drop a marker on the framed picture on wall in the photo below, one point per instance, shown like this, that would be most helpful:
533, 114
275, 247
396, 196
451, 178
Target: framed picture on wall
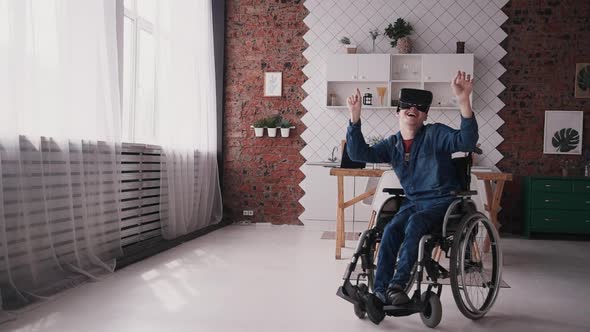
563, 132
273, 84
582, 89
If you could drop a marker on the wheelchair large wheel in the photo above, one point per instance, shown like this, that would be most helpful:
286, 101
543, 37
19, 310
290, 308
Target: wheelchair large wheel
475, 270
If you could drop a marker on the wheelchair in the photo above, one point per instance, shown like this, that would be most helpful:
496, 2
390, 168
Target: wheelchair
468, 243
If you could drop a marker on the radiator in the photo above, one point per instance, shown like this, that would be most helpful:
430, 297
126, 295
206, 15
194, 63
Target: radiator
140, 197
139, 202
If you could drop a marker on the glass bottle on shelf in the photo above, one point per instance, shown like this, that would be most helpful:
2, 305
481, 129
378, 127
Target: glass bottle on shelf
396, 75
332, 99
405, 71
415, 68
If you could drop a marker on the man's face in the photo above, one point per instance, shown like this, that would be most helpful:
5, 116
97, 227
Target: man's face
412, 117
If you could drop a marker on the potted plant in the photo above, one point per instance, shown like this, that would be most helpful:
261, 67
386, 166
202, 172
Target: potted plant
350, 48
271, 125
399, 34
285, 127
259, 127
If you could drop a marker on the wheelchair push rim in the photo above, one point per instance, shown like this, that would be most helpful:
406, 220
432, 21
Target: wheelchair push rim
475, 287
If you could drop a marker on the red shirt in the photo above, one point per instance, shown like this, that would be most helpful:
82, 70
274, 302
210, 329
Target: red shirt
407, 148
408, 145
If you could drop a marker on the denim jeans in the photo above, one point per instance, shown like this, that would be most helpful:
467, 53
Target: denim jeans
403, 234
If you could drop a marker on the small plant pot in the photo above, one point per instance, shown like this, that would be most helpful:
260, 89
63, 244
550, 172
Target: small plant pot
259, 132
272, 132
350, 49
285, 132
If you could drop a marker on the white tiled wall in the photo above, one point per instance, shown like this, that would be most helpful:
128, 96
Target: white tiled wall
437, 27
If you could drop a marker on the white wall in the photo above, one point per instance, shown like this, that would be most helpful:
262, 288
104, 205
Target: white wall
437, 27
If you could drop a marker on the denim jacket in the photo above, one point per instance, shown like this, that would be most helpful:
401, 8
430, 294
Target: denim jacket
429, 174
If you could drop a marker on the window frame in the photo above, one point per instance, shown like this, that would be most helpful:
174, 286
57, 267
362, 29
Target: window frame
139, 24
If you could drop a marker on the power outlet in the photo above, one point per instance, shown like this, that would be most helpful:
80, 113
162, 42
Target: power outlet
248, 213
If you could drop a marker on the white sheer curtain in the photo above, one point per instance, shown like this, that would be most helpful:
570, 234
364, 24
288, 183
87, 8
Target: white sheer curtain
60, 131
186, 116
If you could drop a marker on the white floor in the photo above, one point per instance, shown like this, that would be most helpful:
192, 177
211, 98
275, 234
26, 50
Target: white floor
284, 278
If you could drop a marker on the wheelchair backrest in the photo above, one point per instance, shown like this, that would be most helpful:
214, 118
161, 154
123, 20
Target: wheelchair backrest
388, 180
463, 171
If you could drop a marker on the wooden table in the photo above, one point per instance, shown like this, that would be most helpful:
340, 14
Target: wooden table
341, 173
493, 196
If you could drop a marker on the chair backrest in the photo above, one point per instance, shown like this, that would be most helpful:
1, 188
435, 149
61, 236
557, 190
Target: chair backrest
388, 180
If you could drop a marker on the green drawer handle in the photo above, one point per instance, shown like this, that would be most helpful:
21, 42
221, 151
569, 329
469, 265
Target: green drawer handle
588, 221
554, 200
547, 186
548, 219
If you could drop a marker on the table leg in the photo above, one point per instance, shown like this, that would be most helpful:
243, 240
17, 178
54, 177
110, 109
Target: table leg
340, 218
493, 199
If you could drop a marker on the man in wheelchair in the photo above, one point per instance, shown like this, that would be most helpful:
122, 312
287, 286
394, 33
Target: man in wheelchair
421, 156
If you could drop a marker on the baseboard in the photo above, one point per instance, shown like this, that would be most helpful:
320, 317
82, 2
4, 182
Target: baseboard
157, 245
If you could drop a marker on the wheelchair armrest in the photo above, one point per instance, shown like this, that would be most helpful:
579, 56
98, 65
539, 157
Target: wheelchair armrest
465, 193
394, 191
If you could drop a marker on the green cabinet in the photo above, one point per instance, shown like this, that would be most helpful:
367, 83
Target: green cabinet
556, 205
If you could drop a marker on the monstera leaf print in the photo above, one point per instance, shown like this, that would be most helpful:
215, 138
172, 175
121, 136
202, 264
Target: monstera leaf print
565, 139
584, 78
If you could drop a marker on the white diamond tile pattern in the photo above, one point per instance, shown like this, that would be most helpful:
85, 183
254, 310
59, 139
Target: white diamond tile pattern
437, 26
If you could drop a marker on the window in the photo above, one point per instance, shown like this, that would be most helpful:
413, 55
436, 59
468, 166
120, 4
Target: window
138, 112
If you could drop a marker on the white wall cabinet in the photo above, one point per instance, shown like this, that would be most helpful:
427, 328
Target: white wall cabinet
443, 67
372, 73
358, 67
342, 68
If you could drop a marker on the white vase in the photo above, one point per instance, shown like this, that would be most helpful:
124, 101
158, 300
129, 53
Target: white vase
285, 132
272, 132
259, 132
350, 49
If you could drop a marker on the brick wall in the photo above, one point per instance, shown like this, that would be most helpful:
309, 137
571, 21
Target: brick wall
262, 174
545, 41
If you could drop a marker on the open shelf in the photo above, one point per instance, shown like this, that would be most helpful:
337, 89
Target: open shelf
405, 81
364, 107
444, 107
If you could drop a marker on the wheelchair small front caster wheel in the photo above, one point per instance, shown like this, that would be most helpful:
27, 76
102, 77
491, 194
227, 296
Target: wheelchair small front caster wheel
359, 311
359, 308
432, 313
374, 308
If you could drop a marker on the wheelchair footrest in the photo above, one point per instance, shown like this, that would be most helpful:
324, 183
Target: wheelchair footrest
349, 292
407, 309
340, 293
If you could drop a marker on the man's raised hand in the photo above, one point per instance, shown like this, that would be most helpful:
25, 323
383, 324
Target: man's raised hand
354, 106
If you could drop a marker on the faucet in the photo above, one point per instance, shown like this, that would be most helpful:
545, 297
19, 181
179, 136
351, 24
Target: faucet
333, 158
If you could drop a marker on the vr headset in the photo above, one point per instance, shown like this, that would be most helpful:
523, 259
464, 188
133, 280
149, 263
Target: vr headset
421, 99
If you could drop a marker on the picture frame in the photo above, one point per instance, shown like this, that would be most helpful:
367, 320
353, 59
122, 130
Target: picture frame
563, 132
582, 80
273, 84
